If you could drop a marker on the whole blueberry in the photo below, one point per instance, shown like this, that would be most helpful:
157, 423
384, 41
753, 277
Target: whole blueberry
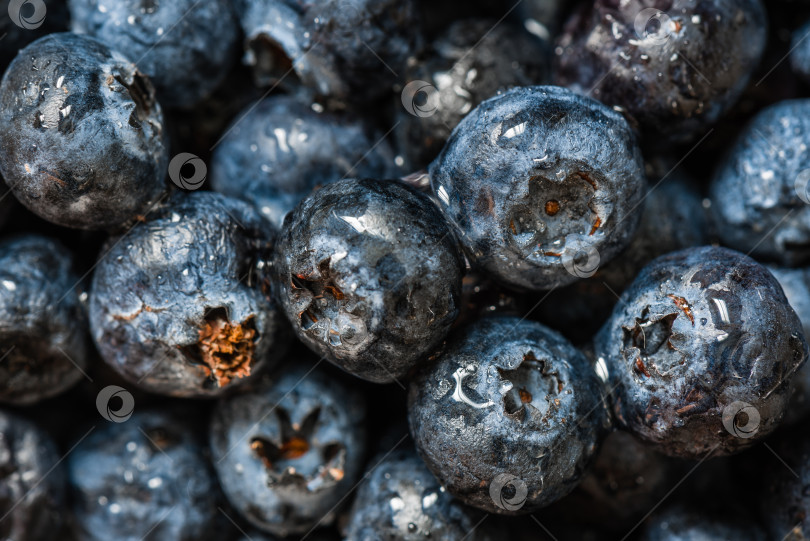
800, 52
43, 335
82, 134
32, 482
676, 66
761, 190
400, 500
470, 62
680, 523
540, 186
185, 47
281, 149
181, 304
144, 478
350, 50
369, 275
700, 353
509, 416
288, 452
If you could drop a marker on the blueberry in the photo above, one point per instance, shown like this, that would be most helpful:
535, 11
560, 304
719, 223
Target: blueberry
540, 185
146, 477
181, 306
185, 47
700, 351
32, 491
43, 337
509, 416
347, 49
400, 500
800, 52
761, 189
280, 149
676, 66
468, 63
288, 452
683, 524
369, 275
82, 134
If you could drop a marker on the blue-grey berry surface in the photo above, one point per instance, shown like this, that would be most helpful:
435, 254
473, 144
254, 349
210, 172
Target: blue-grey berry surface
679, 523
700, 353
144, 478
369, 275
540, 186
288, 452
509, 416
280, 149
83, 139
181, 304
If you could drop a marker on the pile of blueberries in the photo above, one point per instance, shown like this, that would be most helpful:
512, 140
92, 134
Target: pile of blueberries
401, 270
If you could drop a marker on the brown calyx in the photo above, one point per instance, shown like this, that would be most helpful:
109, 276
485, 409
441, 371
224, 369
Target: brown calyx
226, 348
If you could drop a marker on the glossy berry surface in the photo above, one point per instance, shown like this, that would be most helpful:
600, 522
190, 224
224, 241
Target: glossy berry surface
510, 398
146, 477
369, 276
701, 351
32, 491
82, 135
185, 47
281, 149
288, 452
665, 62
540, 186
181, 305
43, 334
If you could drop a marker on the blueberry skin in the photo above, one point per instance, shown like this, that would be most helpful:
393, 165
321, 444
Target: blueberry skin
185, 47
82, 134
698, 331
536, 177
682, 524
665, 62
509, 397
290, 450
369, 275
281, 149
43, 334
759, 190
400, 500
181, 304
146, 476
800, 53
32, 492
470, 62
346, 49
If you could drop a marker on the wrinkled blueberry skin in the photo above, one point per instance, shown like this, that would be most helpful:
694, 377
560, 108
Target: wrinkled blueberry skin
665, 62
469, 63
200, 259
800, 53
507, 397
369, 275
680, 524
281, 149
82, 134
402, 501
185, 47
32, 487
697, 331
344, 49
758, 192
43, 327
146, 477
289, 451
515, 157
